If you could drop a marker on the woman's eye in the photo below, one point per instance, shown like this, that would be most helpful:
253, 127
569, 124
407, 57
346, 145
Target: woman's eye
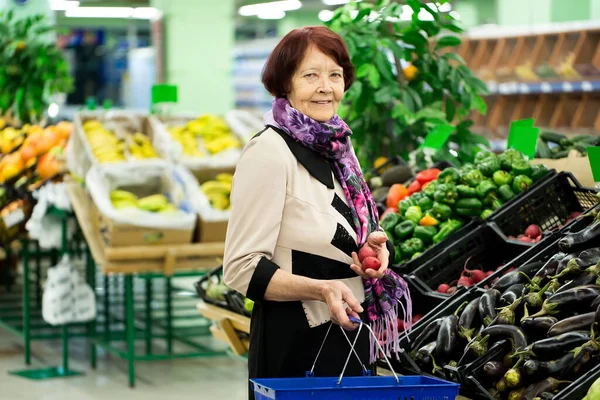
336, 75
310, 75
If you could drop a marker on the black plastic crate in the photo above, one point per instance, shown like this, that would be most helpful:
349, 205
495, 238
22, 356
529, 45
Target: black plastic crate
214, 273
485, 247
579, 388
548, 204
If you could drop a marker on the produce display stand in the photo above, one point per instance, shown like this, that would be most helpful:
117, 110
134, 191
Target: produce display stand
148, 262
227, 327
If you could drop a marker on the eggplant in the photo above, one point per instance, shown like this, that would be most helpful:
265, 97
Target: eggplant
512, 377
588, 236
515, 334
423, 356
595, 303
597, 314
546, 396
487, 306
577, 322
428, 334
564, 263
539, 325
494, 369
511, 294
579, 297
516, 276
447, 338
469, 319
507, 315
535, 298
556, 346
582, 356
547, 269
531, 268
539, 369
516, 394
547, 385
588, 277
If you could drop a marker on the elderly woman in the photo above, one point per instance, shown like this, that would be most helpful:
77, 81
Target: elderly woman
300, 213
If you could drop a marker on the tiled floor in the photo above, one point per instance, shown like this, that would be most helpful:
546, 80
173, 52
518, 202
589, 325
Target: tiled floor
185, 379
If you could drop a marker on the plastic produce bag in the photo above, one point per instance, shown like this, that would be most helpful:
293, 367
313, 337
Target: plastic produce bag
199, 201
47, 229
175, 183
67, 298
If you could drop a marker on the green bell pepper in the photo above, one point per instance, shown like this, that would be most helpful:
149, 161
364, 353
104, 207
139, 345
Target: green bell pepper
466, 168
473, 178
416, 255
505, 192
425, 233
509, 157
430, 189
485, 188
470, 203
405, 204
514, 154
425, 203
468, 212
539, 171
398, 255
521, 183
465, 191
446, 193
486, 213
522, 167
390, 221
416, 197
482, 155
489, 166
446, 229
495, 203
449, 175
502, 178
441, 211
404, 229
414, 214
412, 246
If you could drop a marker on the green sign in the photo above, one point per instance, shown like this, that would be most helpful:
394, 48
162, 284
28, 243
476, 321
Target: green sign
437, 138
523, 136
593, 154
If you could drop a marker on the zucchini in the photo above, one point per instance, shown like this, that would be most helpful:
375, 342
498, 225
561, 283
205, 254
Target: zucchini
561, 154
579, 138
552, 137
543, 149
581, 147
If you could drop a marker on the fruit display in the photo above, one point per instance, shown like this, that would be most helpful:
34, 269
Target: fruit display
530, 334
218, 191
446, 203
156, 203
212, 289
207, 135
556, 145
115, 141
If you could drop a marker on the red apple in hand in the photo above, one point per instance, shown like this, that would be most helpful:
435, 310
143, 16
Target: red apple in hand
371, 263
366, 251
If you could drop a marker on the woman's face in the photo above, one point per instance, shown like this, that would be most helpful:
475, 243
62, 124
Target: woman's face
317, 86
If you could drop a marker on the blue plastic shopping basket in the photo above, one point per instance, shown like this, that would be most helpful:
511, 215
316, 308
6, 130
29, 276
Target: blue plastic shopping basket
355, 387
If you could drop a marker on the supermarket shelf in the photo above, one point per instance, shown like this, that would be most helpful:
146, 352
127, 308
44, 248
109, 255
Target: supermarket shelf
507, 88
253, 103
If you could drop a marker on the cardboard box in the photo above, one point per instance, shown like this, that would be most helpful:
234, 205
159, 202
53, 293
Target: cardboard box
575, 163
209, 231
119, 235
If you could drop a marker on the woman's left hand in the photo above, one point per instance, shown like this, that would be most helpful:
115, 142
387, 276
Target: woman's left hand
377, 241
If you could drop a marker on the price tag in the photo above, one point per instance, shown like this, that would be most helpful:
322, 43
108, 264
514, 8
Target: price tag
437, 138
586, 86
545, 87
523, 136
14, 218
567, 87
594, 157
524, 88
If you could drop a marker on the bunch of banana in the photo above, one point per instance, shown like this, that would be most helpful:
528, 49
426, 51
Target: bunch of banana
106, 147
221, 143
218, 191
525, 72
157, 203
187, 141
566, 68
140, 147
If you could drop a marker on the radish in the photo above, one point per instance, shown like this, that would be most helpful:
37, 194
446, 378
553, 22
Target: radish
443, 288
465, 281
489, 273
451, 290
400, 325
366, 251
416, 318
371, 263
533, 231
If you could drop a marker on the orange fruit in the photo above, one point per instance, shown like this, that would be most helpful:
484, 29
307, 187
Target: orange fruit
410, 72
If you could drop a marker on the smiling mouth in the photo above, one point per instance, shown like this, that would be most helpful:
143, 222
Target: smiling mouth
322, 102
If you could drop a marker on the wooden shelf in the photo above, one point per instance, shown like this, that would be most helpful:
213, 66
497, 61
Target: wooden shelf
553, 77
227, 327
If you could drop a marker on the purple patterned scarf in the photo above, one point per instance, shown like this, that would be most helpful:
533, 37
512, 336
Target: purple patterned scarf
331, 139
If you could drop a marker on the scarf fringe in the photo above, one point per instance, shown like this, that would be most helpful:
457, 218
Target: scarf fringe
386, 330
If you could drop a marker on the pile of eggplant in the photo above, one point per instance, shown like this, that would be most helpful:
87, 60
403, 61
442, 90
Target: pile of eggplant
536, 330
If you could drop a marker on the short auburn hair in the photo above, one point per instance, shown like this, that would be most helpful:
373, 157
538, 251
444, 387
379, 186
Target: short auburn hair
285, 59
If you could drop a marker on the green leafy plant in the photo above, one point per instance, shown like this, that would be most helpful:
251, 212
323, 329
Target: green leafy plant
32, 68
391, 109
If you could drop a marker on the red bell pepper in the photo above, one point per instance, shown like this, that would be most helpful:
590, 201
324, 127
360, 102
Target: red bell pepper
428, 175
414, 187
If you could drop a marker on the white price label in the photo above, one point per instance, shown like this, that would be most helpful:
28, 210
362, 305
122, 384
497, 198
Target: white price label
524, 88
586, 86
14, 218
567, 87
545, 87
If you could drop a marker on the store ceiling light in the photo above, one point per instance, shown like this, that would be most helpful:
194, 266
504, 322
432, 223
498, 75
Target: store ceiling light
63, 5
271, 7
325, 15
113, 12
272, 14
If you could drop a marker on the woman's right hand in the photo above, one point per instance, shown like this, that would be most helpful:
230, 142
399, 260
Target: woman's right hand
335, 294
